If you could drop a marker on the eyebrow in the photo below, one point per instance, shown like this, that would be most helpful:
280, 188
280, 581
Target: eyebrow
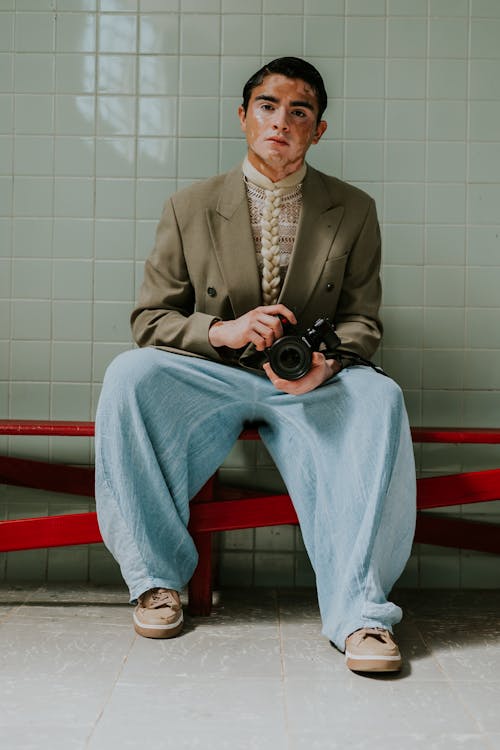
274, 100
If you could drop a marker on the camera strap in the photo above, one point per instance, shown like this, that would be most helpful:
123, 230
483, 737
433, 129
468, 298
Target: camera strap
346, 358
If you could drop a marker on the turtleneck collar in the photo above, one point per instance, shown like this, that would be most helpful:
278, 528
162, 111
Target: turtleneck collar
257, 178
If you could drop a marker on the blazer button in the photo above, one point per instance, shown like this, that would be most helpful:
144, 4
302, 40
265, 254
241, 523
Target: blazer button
211, 291
330, 286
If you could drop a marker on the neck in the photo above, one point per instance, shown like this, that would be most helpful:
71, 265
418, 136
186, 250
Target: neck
253, 174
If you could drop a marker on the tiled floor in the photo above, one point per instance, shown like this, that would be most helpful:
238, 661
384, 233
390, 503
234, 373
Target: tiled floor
256, 674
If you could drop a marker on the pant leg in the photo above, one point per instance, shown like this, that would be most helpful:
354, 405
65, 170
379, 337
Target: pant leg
346, 456
164, 424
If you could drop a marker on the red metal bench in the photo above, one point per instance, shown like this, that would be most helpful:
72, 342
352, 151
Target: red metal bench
218, 508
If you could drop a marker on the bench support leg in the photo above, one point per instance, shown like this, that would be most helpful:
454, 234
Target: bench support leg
200, 585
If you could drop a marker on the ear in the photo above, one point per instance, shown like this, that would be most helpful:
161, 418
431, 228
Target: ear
320, 129
243, 118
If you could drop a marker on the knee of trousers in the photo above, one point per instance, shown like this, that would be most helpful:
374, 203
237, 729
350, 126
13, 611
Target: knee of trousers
129, 371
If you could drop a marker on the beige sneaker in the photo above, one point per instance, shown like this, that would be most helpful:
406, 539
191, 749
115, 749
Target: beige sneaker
372, 650
158, 614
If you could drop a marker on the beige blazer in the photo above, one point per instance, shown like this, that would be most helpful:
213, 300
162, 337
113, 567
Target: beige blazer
204, 267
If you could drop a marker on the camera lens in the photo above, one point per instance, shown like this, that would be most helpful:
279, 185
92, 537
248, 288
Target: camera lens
290, 358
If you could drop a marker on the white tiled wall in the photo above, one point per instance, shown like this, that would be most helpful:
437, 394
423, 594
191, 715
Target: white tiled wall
108, 107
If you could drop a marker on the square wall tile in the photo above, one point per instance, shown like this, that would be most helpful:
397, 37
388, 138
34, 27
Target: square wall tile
483, 247
116, 74
446, 204
115, 157
406, 79
159, 34
111, 321
116, 115
150, 197
485, 33
444, 286
403, 285
241, 34
449, 37
447, 162
115, 198
29, 400
33, 196
72, 321
117, 33
405, 119
282, 35
324, 35
73, 238
114, 280
34, 113
365, 37
407, 37
32, 237
484, 162
445, 245
447, 79
406, 7
157, 115
200, 34
404, 202
33, 155
405, 161
158, 74
114, 239
197, 157
75, 73
200, 75
484, 200
33, 73
74, 196
76, 32
365, 7
447, 121
485, 79
364, 119
484, 120
30, 360
71, 361
363, 161
70, 401
482, 331
31, 279
403, 244
444, 327
364, 78
199, 117
482, 287
34, 32
75, 115
6, 113
73, 279
74, 156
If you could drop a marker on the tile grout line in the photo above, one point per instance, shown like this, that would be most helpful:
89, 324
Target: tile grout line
283, 673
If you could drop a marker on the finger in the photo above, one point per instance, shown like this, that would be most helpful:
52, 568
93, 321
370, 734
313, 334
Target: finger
266, 330
280, 309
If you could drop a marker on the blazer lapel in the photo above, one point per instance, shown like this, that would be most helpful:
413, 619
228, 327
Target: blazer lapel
318, 225
233, 243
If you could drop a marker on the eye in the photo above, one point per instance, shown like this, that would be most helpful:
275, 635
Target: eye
266, 106
299, 113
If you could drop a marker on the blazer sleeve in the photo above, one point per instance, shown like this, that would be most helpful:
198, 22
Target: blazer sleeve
357, 316
165, 313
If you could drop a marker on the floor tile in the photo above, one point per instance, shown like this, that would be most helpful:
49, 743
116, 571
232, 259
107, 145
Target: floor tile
187, 713
481, 699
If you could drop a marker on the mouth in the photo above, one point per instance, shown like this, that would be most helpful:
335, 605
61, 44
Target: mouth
278, 141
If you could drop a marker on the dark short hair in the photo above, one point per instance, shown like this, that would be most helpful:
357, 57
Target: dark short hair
291, 67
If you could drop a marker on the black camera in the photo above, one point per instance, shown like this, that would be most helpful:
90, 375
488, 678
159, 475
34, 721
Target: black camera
291, 355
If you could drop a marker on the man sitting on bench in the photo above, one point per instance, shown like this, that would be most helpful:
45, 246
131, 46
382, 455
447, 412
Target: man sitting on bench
271, 247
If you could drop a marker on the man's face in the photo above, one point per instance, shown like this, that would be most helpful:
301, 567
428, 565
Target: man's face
280, 124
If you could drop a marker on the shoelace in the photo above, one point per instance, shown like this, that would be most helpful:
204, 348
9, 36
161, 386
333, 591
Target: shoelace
162, 598
380, 633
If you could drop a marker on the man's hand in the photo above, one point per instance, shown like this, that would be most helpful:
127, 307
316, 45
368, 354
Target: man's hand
260, 327
321, 370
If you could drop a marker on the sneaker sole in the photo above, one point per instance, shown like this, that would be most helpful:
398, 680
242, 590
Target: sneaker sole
373, 663
158, 631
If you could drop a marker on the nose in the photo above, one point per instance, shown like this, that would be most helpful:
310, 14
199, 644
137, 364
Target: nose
280, 119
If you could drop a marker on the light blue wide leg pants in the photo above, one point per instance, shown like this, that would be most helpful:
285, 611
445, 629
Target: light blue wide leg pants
165, 423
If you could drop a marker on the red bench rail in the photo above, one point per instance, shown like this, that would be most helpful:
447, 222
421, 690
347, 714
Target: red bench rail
218, 508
